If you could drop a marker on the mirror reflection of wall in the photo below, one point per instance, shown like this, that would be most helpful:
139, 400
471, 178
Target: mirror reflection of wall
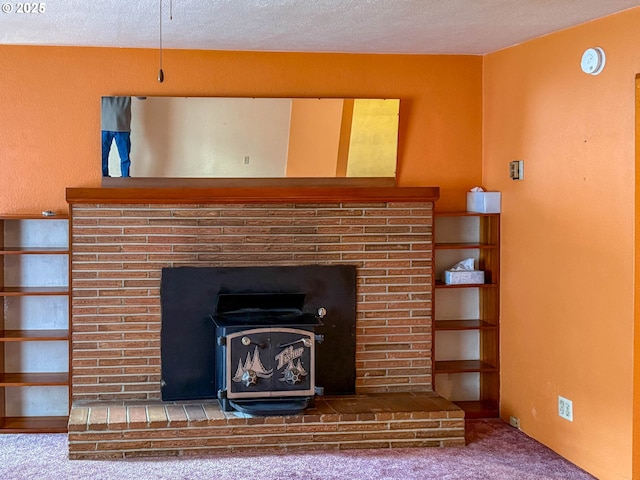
224, 137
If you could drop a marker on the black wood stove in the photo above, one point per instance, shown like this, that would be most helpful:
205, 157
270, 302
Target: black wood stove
265, 352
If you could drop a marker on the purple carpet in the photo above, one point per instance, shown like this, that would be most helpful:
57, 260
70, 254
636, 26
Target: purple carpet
494, 451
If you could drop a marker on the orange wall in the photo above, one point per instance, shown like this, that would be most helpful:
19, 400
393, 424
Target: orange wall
313, 151
567, 307
50, 108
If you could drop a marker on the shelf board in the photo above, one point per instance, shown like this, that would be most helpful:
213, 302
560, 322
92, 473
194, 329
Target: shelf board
478, 408
441, 284
33, 216
463, 245
463, 366
34, 424
29, 291
464, 325
34, 251
33, 335
464, 214
34, 379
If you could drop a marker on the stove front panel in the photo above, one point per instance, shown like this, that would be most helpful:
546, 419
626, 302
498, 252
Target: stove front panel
270, 362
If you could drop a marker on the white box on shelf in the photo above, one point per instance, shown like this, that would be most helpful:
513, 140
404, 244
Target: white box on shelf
460, 277
483, 202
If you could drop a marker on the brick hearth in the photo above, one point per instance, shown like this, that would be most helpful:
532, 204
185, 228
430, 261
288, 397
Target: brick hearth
120, 245
99, 430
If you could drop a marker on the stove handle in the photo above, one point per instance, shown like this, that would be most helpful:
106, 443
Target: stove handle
305, 341
246, 341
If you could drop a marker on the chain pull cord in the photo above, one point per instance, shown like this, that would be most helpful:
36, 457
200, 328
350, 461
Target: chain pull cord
160, 72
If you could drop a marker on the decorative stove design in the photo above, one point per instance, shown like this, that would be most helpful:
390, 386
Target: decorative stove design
265, 352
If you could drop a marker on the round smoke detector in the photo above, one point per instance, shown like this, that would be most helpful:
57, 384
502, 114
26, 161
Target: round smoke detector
593, 60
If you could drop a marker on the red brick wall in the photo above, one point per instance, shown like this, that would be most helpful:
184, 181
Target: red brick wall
118, 252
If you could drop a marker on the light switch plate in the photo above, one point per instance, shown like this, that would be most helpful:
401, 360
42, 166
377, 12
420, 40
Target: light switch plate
516, 170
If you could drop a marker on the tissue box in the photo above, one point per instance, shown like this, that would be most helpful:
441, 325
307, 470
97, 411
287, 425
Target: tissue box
483, 202
458, 277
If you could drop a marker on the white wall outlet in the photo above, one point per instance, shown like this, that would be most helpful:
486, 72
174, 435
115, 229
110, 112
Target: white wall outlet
514, 422
516, 170
246, 159
565, 408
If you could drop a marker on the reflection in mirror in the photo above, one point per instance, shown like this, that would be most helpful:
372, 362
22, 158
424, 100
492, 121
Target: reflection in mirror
218, 137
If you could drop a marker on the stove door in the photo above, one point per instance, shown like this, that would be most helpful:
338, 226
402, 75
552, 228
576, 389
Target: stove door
294, 362
249, 363
270, 362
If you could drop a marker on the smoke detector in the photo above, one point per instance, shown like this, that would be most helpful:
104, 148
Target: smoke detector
593, 60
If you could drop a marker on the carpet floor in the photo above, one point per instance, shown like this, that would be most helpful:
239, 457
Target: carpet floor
494, 451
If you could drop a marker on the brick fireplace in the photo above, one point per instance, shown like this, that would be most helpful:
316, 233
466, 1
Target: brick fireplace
121, 239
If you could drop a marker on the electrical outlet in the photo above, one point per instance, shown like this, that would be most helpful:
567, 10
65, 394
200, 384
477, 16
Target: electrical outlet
514, 422
246, 159
565, 408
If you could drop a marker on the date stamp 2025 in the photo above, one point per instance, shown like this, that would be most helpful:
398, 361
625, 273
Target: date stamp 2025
24, 7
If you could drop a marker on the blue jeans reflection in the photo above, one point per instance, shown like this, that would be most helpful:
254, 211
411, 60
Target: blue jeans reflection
123, 143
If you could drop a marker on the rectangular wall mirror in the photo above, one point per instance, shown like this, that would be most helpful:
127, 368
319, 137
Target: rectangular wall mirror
224, 137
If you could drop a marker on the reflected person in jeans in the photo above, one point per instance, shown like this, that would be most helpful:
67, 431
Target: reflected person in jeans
116, 125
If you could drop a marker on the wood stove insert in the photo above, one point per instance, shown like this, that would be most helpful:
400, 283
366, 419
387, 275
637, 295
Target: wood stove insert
265, 353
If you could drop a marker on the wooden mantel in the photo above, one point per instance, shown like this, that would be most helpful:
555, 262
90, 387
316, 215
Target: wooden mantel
250, 194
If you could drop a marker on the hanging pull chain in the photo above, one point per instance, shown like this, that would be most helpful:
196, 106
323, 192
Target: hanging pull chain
160, 71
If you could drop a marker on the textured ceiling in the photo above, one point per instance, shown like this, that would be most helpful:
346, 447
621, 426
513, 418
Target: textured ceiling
368, 26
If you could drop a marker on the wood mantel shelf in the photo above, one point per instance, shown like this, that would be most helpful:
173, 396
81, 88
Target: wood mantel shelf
251, 194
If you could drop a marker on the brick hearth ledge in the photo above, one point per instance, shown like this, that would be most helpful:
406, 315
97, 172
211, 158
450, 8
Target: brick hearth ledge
99, 430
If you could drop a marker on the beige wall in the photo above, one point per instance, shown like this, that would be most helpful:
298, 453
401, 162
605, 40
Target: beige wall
568, 237
207, 137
